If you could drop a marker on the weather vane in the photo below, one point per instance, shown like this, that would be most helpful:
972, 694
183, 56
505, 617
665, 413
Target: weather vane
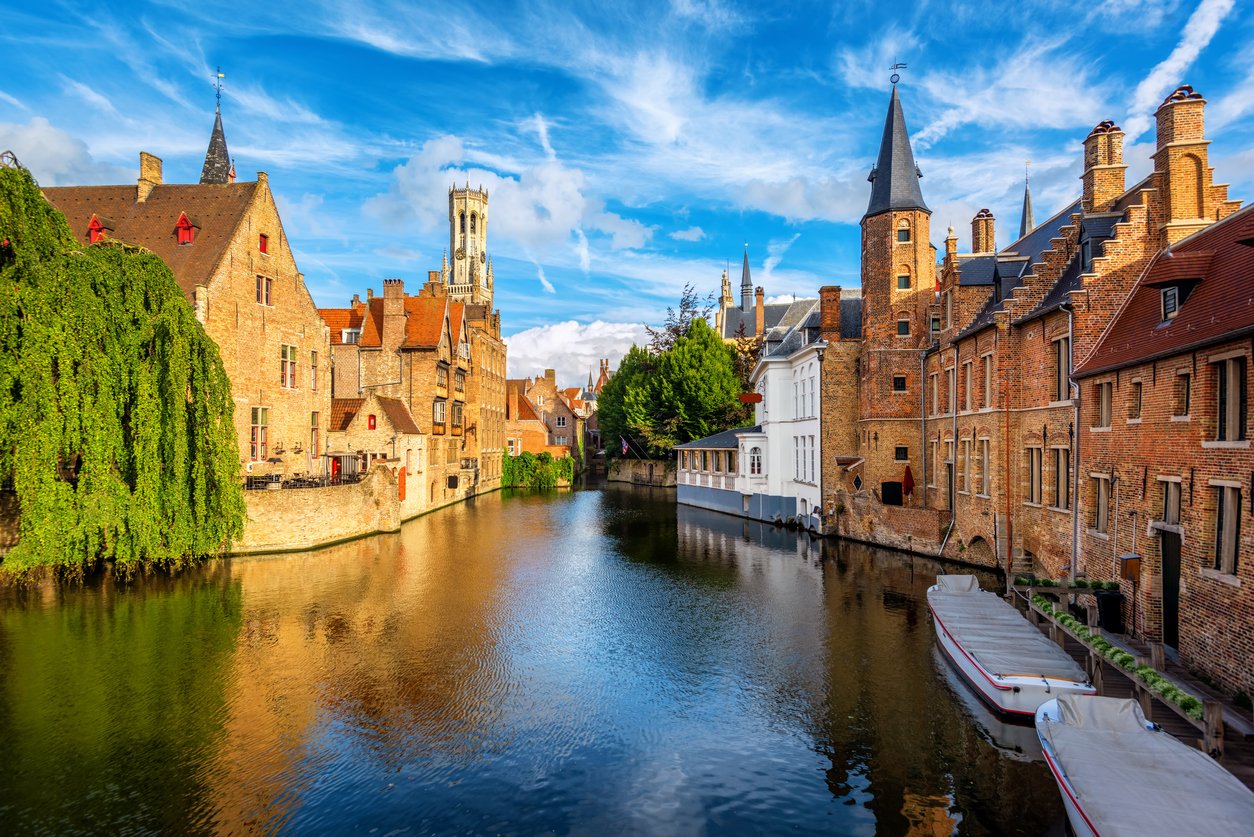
1027, 174
895, 77
217, 84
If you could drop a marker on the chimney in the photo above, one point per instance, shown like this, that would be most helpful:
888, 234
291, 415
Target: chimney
393, 313
550, 376
356, 300
369, 294
513, 403
981, 233
951, 247
1103, 167
1189, 199
829, 312
759, 319
149, 174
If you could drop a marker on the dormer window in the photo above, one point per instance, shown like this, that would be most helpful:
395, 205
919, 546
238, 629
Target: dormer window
1171, 302
185, 230
95, 230
1086, 256
263, 243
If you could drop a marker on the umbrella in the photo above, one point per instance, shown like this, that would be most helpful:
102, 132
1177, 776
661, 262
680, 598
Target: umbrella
907, 482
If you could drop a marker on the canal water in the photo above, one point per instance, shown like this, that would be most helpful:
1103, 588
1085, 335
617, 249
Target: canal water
597, 661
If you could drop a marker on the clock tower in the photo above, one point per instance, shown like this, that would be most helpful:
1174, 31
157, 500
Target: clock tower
469, 275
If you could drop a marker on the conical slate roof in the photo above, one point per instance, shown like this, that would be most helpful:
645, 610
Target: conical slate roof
746, 285
217, 161
895, 178
1025, 223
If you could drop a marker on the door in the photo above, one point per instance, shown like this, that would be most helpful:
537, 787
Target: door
1171, 589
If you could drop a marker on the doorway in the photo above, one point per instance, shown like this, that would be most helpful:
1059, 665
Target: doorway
1171, 588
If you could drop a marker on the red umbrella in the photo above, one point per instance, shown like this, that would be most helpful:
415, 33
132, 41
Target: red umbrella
907, 483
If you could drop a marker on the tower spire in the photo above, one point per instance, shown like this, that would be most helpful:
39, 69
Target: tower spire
1026, 224
218, 167
746, 284
895, 178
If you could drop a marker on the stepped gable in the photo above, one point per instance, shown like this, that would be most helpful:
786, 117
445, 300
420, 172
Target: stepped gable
1215, 265
215, 210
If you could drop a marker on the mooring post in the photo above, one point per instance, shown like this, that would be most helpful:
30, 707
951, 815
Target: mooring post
1095, 671
1157, 658
1057, 634
1213, 728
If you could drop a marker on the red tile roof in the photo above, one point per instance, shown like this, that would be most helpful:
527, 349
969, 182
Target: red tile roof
1219, 307
342, 412
372, 322
218, 210
456, 317
425, 325
526, 410
340, 319
398, 415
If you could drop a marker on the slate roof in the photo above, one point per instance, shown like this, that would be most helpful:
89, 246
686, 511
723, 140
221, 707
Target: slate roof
1220, 307
1026, 225
218, 210
727, 440
977, 270
342, 412
895, 178
217, 168
1095, 228
771, 316
851, 318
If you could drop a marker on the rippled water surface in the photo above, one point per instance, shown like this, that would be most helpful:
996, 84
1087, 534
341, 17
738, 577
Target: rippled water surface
591, 662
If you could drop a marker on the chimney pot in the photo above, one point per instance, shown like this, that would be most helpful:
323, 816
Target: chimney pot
759, 311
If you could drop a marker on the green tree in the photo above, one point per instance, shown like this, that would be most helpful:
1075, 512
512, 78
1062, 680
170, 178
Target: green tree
116, 417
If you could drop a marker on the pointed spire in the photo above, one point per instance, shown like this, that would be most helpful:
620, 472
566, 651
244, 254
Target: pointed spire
746, 284
1026, 224
217, 161
895, 178
589, 379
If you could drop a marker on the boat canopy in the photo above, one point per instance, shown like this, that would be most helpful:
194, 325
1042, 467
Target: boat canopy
1130, 779
996, 635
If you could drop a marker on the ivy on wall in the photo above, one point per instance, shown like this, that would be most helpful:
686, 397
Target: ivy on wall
116, 417
529, 470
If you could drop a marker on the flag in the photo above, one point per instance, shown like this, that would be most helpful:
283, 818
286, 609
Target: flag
624, 441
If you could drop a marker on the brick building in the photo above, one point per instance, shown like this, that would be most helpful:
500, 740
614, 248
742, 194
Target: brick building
542, 417
228, 250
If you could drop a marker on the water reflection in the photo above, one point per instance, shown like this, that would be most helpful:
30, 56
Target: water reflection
548, 663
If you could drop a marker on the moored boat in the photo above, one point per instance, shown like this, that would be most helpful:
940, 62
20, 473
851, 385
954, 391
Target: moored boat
1010, 663
1122, 775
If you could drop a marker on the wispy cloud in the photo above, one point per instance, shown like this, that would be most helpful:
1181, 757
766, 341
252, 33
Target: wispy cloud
12, 100
690, 234
544, 280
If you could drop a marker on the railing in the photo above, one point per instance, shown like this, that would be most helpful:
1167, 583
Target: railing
277, 481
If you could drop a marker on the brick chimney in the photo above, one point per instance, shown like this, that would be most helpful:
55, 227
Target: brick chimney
829, 312
1103, 167
149, 175
759, 311
1189, 199
982, 240
369, 294
513, 403
951, 248
393, 313
550, 376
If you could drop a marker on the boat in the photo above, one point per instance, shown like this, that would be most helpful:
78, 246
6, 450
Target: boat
1119, 774
1012, 738
1012, 665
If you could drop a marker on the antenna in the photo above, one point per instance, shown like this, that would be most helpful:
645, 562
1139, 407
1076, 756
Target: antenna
896, 77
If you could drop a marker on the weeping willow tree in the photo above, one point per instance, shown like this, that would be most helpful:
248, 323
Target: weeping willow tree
116, 427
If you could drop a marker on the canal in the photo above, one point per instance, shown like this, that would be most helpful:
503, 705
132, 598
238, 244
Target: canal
597, 661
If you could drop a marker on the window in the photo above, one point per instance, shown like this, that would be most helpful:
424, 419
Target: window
512, 444
953, 389
903, 231
986, 478
1100, 520
949, 309
903, 328
350, 336
313, 435
731, 462
459, 381
903, 281
313, 371
1086, 256
755, 461
968, 384
964, 467
457, 414
263, 244
264, 286
473, 219
814, 410
441, 378
558, 440
95, 230
561, 421
1105, 393
902, 453
1171, 502
705, 460
935, 324
371, 422
184, 230
1171, 302
259, 448
287, 366
1134, 402
1062, 478
438, 411
987, 362
936, 464
1181, 400
1062, 370
1227, 528
796, 458
1230, 375
935, 394
1034, 475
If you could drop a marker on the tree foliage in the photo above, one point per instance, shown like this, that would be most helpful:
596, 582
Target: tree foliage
116, 417
678, 321
530, 470
658, 400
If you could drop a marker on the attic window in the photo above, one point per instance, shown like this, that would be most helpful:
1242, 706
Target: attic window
263, 243
184, 230
370, 422
95, 230
1171, 302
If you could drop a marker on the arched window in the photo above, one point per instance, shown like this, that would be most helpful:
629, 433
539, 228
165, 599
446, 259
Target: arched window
461, 223
755, 461
473, 224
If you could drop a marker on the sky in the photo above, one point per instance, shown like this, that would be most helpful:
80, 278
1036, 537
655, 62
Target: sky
628, 148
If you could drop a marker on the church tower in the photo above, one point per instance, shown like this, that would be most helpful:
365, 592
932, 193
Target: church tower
469, 278
898, 284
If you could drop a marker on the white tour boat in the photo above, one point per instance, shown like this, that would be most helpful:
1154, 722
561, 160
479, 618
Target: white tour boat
1121, 775
1011, 664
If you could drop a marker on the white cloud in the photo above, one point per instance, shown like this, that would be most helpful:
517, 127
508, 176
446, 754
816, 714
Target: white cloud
690, 234
544, 281
775, 254
1202, 26
12, 100
572, 348
56, 158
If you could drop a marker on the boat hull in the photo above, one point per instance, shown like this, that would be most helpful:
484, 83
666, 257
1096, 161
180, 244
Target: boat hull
1016, 696
1080, 824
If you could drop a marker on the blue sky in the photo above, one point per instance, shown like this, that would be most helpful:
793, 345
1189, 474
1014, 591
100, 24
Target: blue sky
628, 147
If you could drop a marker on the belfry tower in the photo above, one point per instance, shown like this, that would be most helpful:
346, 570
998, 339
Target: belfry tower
469, 278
